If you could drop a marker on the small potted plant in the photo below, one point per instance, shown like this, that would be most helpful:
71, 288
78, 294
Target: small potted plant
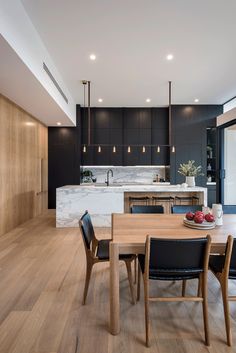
190, 171
87, 176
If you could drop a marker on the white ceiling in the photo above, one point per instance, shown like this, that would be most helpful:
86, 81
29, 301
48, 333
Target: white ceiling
131, 39
19, 84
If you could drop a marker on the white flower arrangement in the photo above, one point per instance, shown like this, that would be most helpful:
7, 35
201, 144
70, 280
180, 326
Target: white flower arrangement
189, 169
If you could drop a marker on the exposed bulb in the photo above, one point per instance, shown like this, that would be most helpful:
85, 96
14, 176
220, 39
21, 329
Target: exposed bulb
84, 149
173, 149
158, 149
99, 149
114, 149
143, 149
129, 149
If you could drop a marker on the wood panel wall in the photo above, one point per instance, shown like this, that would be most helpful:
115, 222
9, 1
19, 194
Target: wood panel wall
23, 166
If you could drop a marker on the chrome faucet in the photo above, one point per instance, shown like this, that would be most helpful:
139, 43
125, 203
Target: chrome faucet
108, 173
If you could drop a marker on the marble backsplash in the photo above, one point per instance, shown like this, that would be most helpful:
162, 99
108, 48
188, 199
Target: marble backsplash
136, 174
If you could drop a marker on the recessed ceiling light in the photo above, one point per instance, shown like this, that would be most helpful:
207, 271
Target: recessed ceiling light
148, 100
58, 123
92, 57
196, 100
100, 100
170, 57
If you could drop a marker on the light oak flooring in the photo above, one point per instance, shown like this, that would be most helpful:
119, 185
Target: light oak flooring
42, 271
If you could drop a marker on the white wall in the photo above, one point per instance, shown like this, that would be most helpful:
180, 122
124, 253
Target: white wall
19, 32
230, 166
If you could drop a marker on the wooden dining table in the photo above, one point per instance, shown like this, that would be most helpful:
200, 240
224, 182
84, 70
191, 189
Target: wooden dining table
129, 232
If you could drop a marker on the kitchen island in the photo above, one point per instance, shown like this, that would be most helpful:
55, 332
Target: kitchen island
101, 200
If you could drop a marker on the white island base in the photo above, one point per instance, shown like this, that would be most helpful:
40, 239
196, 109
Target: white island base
102, 201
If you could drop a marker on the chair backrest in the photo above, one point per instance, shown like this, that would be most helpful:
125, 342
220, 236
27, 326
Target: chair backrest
147, 209
185, 208
233, 257
177, 255
229, 209
87, 230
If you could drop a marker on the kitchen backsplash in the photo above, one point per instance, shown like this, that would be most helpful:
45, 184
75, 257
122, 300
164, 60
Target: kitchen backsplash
135, 174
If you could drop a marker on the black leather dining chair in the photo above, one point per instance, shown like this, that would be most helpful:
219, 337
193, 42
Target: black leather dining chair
144, 209
224, 268
98, 251
147, 209
175, 259
185, 208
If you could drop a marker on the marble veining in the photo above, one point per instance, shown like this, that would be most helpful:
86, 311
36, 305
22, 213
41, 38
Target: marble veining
138, 174
102, 201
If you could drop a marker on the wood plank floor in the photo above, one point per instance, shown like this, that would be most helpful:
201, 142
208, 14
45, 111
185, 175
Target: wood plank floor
42, 272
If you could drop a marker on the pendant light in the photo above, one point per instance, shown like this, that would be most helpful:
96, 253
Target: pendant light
99, 149
84, 149
114, 149
173, 149
158, 149
129, 149
143, 149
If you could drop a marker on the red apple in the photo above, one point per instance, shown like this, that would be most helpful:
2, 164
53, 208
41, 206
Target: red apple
198, 218
209, 217
199, 213
189, 216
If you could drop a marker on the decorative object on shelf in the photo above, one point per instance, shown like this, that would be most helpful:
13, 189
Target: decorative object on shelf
190, 171
209, 166
217, 212
209, 152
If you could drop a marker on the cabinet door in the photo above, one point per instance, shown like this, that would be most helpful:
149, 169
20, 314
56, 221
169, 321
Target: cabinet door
211, 195
184, 153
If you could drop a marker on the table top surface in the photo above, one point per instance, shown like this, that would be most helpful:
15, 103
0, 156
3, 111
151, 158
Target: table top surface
133, 228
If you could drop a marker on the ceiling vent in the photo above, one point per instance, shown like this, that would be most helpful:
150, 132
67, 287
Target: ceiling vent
46, 69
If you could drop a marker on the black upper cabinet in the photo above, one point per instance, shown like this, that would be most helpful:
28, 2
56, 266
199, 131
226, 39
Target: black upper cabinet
145, 118
149, 126
131, 118
159, 118
137, 118
131, 136
189, 125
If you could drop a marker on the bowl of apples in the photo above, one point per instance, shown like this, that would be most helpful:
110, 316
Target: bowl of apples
199, 220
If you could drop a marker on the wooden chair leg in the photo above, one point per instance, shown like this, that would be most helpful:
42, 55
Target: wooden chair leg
184, 282
87, 280
138, 284
135, 270
199, 287
130, 278
147, 319
205, 309
224, 289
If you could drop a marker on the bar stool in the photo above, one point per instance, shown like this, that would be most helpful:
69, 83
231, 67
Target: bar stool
193, 199
167, 200
139, 200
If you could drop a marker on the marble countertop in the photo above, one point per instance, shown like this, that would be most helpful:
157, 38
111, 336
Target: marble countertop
156, 187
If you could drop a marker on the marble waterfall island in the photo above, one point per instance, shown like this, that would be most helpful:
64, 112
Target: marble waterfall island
101, 201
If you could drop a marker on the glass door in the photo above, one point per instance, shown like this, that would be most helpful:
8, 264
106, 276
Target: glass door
229, 165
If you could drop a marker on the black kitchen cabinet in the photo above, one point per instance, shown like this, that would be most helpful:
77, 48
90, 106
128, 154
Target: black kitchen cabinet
189, 126
122, 127
211, 193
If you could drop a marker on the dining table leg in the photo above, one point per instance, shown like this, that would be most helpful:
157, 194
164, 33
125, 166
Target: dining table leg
114, 289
